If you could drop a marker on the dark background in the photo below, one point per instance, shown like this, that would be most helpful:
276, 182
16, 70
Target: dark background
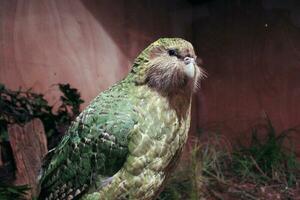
250, 49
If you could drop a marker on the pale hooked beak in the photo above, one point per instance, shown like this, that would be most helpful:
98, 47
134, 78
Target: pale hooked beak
189, 67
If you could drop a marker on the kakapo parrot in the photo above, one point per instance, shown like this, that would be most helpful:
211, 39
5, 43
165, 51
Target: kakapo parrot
127, 141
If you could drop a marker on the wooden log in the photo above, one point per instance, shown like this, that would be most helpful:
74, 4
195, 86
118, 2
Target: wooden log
29, 146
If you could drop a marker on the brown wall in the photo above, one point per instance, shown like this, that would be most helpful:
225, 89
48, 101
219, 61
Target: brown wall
252, 55
250, 49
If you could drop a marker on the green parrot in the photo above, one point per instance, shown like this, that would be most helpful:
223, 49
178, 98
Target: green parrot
125, 144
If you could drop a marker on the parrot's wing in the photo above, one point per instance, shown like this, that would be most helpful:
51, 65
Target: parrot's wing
94, 149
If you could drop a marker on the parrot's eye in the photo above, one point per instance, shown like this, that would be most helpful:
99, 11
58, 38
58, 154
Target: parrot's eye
172, 52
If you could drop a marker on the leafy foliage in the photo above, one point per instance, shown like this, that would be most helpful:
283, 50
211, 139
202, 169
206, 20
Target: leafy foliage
70, 106
21, 106
57, 122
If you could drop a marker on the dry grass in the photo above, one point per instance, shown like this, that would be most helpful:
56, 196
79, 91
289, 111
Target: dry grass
265, 169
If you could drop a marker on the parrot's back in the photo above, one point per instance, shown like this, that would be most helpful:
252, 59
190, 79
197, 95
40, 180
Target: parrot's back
94, 148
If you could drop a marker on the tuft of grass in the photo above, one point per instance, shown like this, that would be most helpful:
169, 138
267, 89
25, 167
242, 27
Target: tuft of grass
10, 192
201, 171
267, 159
215, 170
179, 186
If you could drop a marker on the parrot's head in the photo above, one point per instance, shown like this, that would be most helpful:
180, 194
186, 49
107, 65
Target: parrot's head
168, 65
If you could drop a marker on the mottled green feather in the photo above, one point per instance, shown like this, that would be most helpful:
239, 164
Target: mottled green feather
155, 141
96, 143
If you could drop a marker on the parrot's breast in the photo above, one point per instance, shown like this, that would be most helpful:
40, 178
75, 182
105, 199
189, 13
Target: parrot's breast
154, 143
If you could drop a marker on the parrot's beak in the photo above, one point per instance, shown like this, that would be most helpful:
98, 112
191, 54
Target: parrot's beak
189, 67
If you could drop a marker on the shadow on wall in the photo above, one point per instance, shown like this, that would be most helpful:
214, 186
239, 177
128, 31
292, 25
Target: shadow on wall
132, 25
